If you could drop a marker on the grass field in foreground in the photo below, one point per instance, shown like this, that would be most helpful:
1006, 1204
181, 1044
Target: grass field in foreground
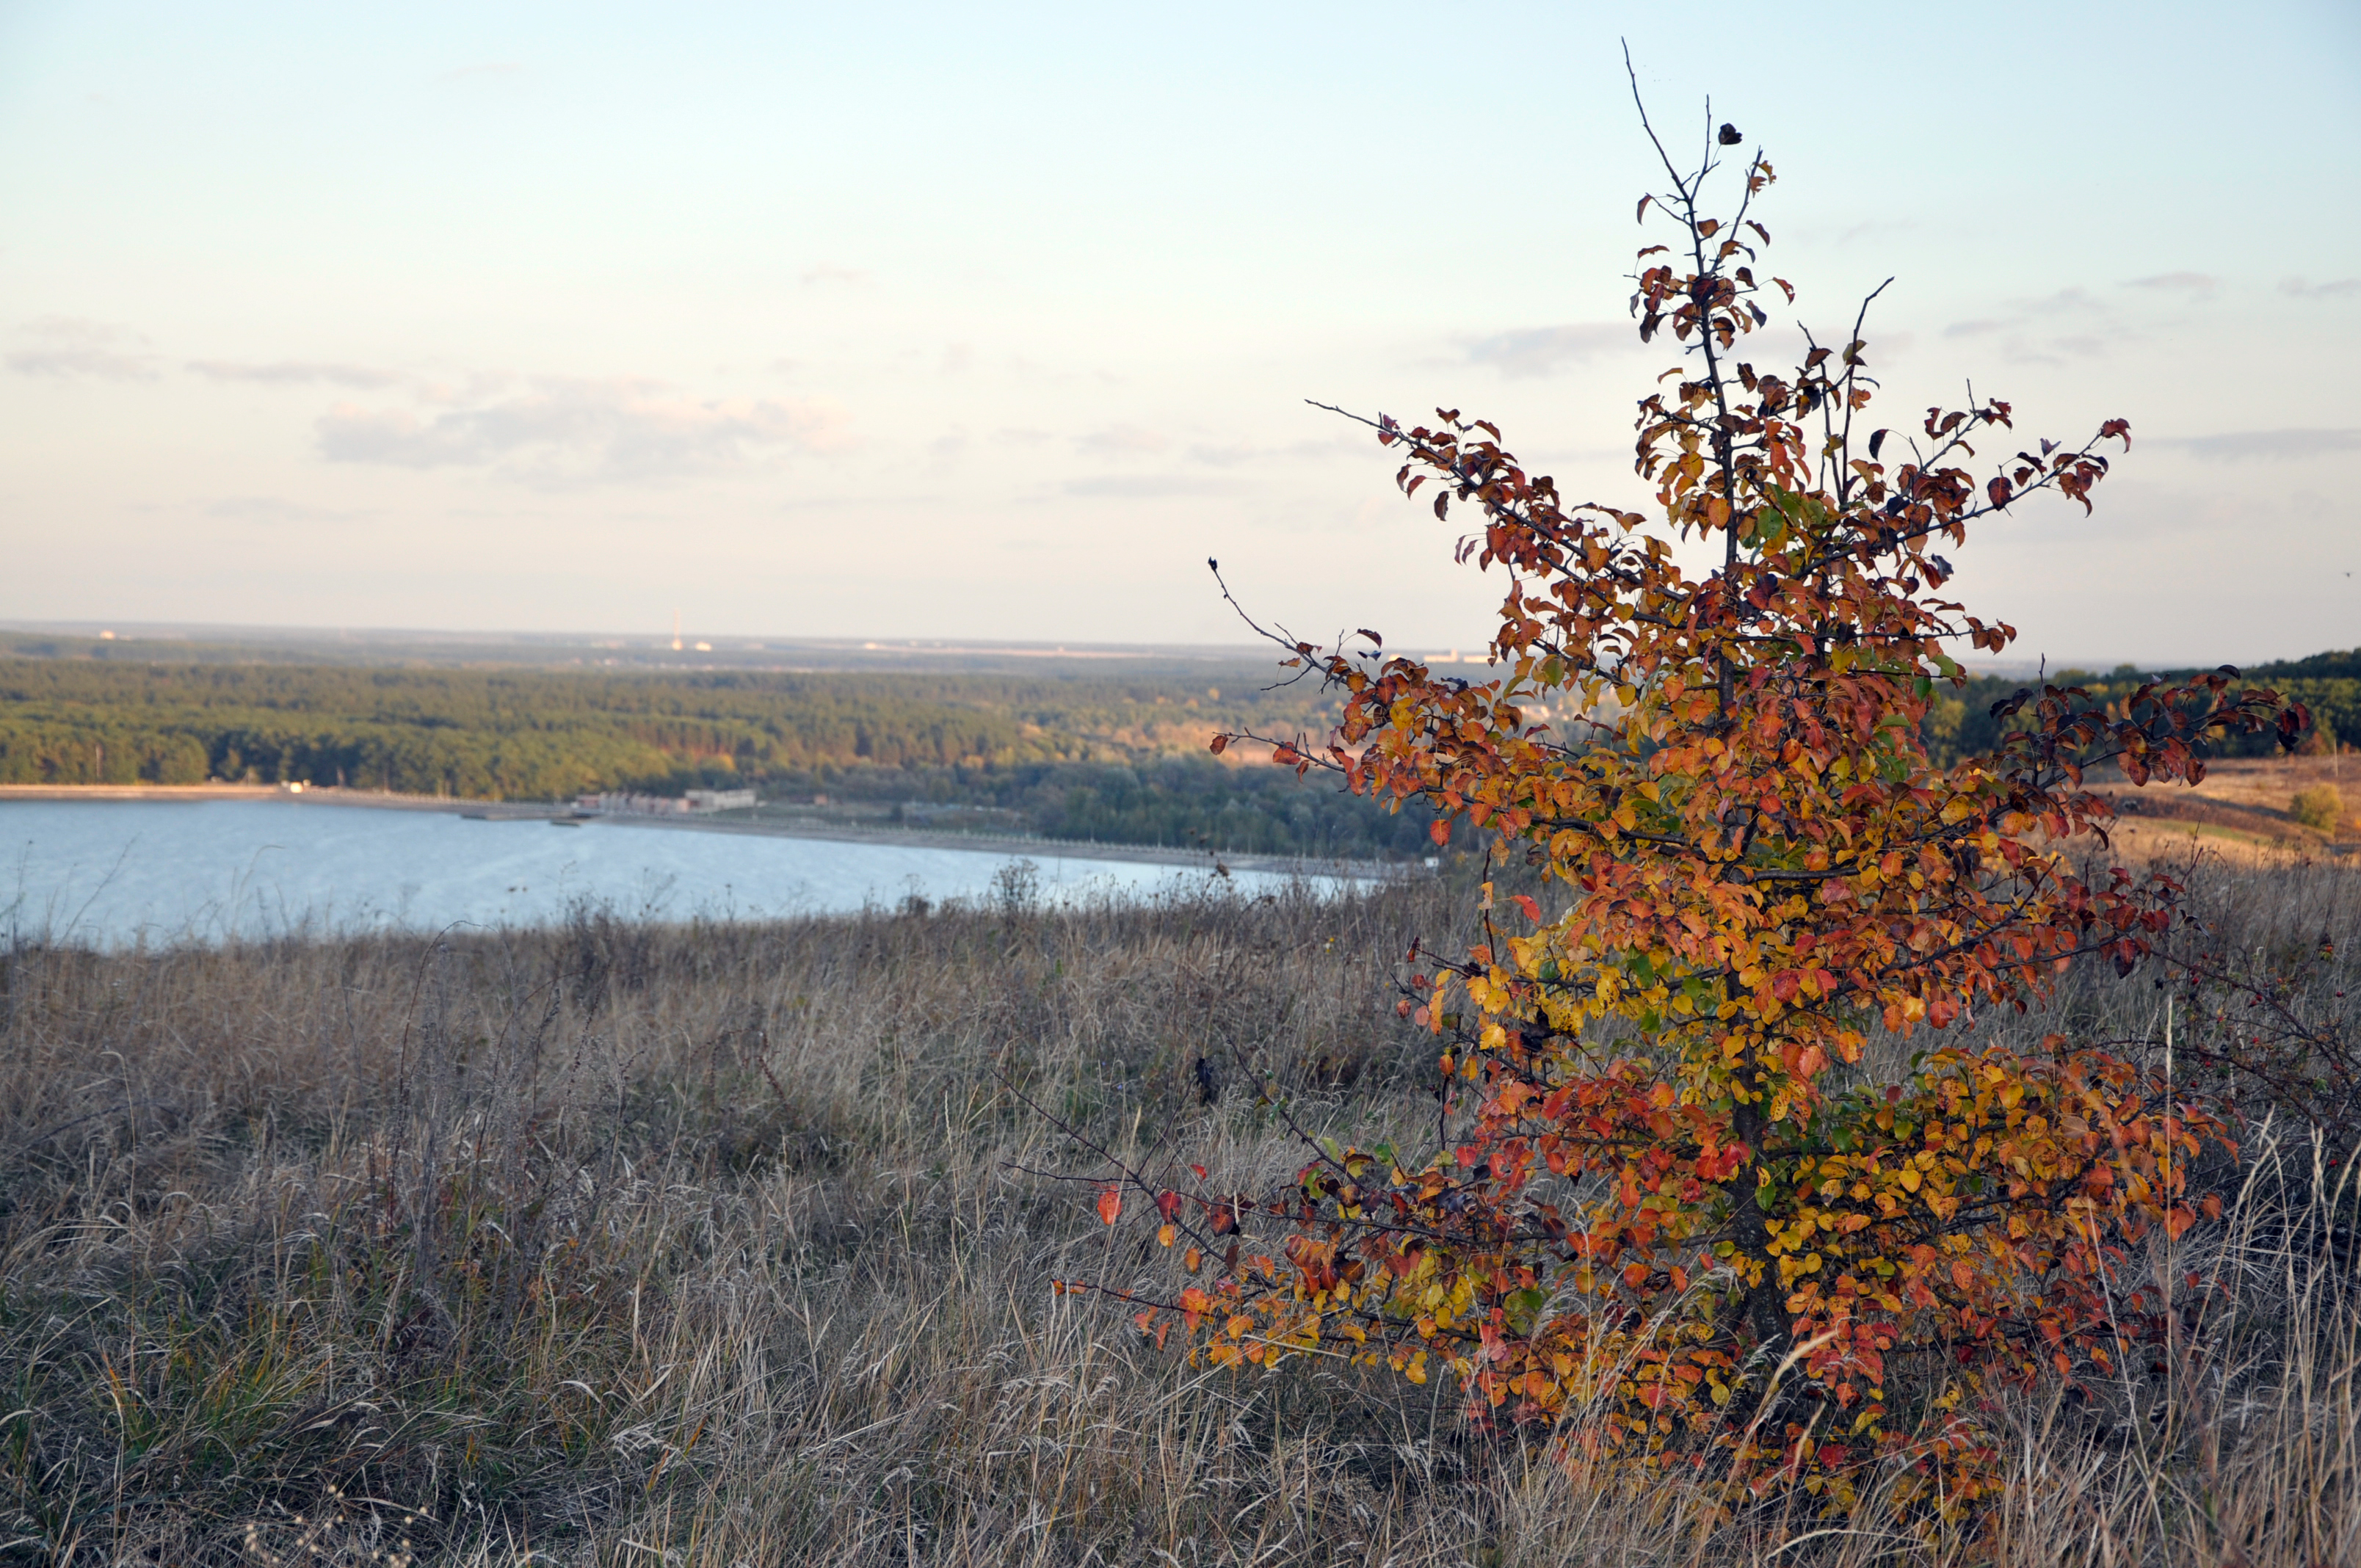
631, 1245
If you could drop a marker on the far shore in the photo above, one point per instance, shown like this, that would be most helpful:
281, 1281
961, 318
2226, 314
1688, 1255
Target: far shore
842, 832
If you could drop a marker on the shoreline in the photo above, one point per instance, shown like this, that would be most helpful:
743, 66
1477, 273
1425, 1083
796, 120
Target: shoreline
1014, 846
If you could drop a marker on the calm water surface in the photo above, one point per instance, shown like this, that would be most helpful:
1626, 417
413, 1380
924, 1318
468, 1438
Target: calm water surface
114, 872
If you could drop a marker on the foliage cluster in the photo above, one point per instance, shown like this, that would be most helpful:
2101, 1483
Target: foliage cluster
2319, 807
1679, 1215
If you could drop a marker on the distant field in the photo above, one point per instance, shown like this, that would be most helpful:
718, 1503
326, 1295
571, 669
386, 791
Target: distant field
2244, 801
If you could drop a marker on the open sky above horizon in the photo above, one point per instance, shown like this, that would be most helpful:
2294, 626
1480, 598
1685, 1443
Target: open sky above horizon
936, 320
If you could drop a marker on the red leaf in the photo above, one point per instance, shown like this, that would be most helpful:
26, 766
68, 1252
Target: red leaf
1111, 1204
1439, 831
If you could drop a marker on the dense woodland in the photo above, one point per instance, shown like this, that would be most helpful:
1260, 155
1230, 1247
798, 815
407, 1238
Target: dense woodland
2328, 684
1115, 758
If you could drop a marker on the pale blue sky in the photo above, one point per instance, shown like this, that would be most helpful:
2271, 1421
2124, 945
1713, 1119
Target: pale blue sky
996, 321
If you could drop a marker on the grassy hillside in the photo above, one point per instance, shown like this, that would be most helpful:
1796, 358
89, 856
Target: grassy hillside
723, 1244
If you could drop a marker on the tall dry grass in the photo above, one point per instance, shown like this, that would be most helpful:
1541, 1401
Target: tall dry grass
642, 1244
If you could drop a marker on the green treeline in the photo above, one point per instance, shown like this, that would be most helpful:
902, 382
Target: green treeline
1962, 722
1117, 758
1183, 800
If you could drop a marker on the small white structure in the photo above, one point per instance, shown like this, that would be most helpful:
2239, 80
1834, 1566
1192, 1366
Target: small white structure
697, 801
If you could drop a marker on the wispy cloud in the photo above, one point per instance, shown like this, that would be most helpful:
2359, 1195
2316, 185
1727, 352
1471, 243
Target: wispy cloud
1541, 350
2033, 332
69, 347
576, 430
1875, 228
271, 509
1150, 486
2330, 290
2070, 300
1123, 440
295, 373
2263, 445
1231, 455
2198, 285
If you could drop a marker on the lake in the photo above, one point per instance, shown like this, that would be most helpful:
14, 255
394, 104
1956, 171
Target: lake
111, 874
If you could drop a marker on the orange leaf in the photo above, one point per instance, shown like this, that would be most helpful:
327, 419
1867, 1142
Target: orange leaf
1111, 1204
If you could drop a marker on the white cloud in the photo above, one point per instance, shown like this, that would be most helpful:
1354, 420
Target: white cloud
2329, 290
69, 346
567, 430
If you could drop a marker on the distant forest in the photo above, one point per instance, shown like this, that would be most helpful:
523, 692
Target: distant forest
2328, 684
1118, 758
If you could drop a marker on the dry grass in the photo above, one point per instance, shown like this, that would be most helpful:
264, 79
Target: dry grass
730, 1244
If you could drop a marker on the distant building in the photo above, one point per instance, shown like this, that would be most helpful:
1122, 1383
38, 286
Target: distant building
696, 802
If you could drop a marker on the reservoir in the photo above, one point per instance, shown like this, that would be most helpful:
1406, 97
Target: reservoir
115, 873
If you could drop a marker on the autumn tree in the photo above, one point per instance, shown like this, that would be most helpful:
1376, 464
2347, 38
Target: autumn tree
1707, 1195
